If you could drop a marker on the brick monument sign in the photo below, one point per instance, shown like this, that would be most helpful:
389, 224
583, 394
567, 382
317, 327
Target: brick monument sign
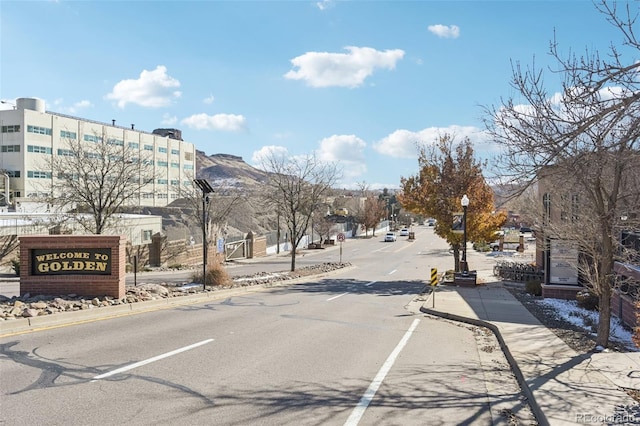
86, 265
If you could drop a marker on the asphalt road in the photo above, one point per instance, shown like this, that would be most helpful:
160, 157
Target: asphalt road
350, 348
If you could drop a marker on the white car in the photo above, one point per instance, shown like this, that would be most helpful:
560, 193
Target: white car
390, 237
404, 232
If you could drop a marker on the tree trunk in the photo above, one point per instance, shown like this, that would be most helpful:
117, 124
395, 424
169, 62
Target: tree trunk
293, 255
456, 257
604, 319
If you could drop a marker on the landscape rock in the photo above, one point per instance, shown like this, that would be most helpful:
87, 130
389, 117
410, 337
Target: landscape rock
28, 306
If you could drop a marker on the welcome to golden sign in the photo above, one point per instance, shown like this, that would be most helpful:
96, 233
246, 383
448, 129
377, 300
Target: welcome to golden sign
85, 261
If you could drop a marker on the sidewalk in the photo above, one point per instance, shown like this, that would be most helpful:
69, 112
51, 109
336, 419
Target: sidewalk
564, 387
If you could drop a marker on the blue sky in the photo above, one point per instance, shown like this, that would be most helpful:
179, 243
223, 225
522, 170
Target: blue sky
358, 82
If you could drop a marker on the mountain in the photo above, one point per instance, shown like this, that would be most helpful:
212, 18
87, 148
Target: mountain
228, 171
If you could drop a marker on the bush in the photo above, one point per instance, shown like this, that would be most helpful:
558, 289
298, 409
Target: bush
216, 275
587, 300
449, 275
533, 287
178, 266
481, 246
15, 265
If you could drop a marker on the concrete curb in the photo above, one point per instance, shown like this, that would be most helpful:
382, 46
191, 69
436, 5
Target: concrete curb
26, 325
537, 412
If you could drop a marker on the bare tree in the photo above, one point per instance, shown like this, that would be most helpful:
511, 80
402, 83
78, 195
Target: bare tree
582, 141
98, 179
297, 186
218, 206
375, 209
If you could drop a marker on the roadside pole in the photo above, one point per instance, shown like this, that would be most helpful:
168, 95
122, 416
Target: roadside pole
341, 238
434, 283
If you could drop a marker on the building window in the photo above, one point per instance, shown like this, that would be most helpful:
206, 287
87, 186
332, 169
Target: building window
38, 174
68, 135
11, 128
175, 165
175, 182
39, 130
117, 142
92, 155
162, 149
10, 148
188, 166
575, 208
39, 149
93, 138
65, 152
188, 156
134, 145
163, 164
163, 181
162, 196
146, 235
175, 152
148, 147
147, 195
13, 173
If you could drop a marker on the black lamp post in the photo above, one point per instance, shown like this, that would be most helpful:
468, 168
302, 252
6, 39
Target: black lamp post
465, 203
206, 189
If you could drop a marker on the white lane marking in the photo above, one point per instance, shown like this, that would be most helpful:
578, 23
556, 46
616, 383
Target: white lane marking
371, 283
335, 297
366, 399
150, 360
393, 272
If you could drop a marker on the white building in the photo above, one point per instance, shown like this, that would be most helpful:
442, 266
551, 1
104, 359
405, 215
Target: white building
29, 134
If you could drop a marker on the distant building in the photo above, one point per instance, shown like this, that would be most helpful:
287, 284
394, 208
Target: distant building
29, 134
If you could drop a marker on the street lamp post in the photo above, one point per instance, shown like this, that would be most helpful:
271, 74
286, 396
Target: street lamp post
206, 189
465, 203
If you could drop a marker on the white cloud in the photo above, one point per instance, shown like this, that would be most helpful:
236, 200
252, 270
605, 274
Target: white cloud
209, 100
347, 151
403, 143
324, 69
154, 89
169, 120
79, 106
226, 122
341, 148
258, 157
444, 31
324, 4
7, 104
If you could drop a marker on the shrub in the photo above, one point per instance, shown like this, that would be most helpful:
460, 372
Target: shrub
216, 275
177, 266
449, 275
587, 300
533, 287
481, 246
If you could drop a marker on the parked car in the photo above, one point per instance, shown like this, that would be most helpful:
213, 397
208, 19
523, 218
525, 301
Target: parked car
528, 234
431, 222
390, 237
404, 232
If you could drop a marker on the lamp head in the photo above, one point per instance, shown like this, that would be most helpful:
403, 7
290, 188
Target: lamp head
464, 201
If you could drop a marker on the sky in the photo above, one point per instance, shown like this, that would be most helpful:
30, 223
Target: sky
360, 83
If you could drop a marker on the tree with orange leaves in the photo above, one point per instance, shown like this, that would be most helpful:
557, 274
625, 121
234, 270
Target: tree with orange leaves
449, 170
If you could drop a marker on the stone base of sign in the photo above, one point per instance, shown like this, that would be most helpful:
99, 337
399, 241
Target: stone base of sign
58, 283
465, 279
560, 291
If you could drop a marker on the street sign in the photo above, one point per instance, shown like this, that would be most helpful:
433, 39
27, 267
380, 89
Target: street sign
434, 276
341, 237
